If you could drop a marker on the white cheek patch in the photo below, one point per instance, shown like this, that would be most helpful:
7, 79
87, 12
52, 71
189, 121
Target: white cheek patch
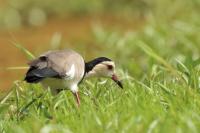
71, 72
101, 70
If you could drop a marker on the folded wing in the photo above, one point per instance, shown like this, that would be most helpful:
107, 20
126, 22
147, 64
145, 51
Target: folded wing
39, 69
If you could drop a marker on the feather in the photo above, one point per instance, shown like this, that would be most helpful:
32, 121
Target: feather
35, 75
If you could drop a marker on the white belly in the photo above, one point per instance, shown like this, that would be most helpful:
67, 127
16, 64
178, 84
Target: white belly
59, 84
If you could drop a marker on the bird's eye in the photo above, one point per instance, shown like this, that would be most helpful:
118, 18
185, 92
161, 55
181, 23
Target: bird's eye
110, 67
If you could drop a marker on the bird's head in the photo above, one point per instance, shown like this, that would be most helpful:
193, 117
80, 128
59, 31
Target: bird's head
102, 67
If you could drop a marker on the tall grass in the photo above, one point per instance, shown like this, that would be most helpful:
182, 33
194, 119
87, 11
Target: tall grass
160, 69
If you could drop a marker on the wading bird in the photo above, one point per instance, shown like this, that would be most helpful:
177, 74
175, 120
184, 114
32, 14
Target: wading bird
65, 69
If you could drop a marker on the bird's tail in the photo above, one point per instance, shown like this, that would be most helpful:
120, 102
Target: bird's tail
32, 75
35, 75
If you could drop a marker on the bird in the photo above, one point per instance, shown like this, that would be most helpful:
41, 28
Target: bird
66, 69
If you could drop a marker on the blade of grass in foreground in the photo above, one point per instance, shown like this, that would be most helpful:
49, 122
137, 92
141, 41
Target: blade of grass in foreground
148, 50
28, 54
15, 68
3, 100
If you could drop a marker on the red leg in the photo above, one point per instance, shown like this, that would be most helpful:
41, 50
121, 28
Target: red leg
77, 98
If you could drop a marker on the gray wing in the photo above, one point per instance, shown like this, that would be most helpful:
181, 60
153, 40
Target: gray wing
51, 64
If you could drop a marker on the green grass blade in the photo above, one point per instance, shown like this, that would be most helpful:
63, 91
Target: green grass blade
28, 54
149, 51
197, 62
6, 97
16, 68
30, 103
165, 89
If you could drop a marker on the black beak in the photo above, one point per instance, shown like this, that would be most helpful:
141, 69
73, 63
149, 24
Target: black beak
117, 81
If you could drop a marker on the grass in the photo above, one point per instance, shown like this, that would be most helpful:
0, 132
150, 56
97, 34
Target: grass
160, 69
161, 92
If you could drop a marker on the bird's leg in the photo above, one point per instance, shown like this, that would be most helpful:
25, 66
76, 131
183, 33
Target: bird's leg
76, 94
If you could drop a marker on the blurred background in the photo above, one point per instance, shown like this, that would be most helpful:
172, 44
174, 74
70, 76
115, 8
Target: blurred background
97, 28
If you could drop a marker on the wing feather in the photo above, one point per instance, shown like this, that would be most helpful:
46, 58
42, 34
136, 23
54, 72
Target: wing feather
39, 69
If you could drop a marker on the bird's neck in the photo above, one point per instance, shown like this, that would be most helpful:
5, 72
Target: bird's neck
89, 69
